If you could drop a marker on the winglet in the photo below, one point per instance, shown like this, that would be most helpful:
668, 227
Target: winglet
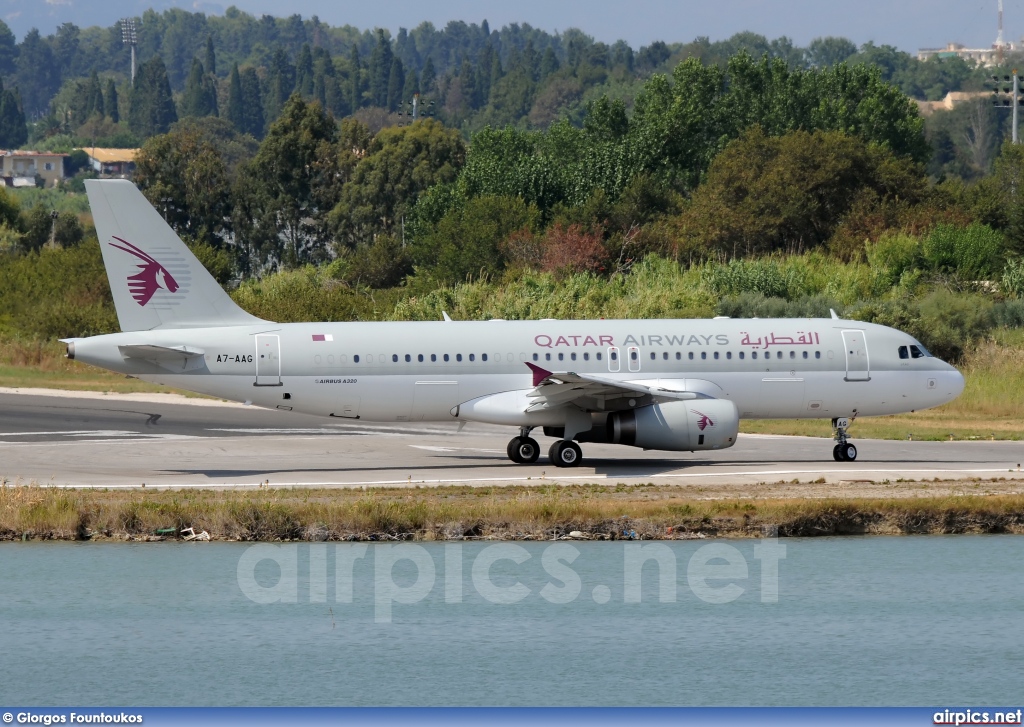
834, 316
447, 318
539, 374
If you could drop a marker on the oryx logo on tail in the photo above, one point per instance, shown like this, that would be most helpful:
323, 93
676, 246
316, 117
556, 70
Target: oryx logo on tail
704, 421
152, 276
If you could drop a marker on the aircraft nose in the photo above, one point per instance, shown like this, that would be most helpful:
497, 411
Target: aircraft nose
954, 382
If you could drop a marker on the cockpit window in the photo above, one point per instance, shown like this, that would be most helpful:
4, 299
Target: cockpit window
903, 352
917, 352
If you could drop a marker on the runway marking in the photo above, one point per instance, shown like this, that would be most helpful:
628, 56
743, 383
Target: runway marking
456, 449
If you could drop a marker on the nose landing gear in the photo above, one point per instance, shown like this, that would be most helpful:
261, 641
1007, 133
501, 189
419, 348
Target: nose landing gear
844, 451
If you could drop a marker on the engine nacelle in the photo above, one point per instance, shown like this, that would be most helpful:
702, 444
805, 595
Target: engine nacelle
677, 426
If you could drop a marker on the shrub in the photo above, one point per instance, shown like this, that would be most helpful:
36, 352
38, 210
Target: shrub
569, 250
1013, 279
755, 305
895, 253
974, 251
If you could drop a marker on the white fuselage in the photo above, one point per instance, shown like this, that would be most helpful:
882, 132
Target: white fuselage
422, 371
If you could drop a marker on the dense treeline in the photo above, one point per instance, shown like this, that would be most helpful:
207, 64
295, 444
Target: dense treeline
72, 86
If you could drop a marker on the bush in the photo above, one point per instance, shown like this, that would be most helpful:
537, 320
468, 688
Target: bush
895, 253
755, 305
1013, 279
764, 276
383, 264
975, 251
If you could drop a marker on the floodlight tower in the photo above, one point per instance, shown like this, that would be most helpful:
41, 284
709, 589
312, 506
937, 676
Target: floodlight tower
999, 35
130, 39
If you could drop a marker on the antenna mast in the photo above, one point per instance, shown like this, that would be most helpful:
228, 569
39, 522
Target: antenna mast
999, 35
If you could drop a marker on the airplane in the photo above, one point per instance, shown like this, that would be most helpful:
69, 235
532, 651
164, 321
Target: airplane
670, 385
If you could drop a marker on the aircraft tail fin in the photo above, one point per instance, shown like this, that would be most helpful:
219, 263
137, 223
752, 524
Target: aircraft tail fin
155, 279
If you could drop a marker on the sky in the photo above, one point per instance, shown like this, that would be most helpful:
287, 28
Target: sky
906, 24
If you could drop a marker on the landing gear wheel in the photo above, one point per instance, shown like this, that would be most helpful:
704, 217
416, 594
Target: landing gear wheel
565, 454
849, 452
526, 450
837, 453
512, 450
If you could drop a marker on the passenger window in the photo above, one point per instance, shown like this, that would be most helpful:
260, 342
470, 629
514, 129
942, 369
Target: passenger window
753, 355
458, 357
472, 357
561, 357
419, 358
915, 352
703, 354
679, 356
654, 356
778, 354
598, 355
408, 358
792, 354
446, 357
817, 354
483, 357
614, 355
691, 355
742, 355
665, 355
716, 355
728, 354
355, 359
805, 354
903, 352
394, 358
586, 356
632, 355
536, 357
547, 357
572, 356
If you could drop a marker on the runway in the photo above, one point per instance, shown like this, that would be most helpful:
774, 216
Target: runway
122, 441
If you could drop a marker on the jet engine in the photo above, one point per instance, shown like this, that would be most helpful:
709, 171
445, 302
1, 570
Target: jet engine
677, 426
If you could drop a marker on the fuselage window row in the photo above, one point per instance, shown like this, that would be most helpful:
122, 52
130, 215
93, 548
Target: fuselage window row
904, 353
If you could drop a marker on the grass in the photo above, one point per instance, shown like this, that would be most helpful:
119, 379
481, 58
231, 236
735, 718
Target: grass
446, 513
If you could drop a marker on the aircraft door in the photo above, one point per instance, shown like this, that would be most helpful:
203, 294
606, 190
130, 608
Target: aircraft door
268, 360
613, 358
634, 358
857, 365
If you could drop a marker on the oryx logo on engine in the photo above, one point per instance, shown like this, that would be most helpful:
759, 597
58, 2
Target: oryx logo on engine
704, 421
152, 276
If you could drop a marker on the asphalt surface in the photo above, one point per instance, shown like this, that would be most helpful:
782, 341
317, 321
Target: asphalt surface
115, 441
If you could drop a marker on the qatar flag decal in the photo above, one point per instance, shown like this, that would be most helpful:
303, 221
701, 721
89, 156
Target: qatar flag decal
323, 337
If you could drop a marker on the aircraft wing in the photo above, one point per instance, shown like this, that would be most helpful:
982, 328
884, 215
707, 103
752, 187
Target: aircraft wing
552, 389
174, 358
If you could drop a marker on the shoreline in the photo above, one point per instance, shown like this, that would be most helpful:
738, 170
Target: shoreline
579, 512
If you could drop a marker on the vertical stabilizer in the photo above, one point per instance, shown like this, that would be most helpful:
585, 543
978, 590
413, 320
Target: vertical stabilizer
155, 279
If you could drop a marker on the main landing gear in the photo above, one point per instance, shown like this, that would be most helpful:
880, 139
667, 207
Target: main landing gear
844, 451
525, 450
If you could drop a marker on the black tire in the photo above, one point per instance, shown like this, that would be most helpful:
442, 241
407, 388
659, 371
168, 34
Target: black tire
565, 454
849, 453
528, 450
512, 450
837, 455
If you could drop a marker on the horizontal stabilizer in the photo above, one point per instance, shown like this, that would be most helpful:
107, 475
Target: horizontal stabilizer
173, 358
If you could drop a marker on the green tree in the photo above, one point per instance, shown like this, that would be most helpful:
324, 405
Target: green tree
8, 50
252, 103
93, 97
284, 194
788, 194
200, 96
380, 70
151, 110
830, 51
304, 72
400, 164
13, 130
211, 57
37, 75
185, 178
396, 83
280, 83
236, 110
110, 102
